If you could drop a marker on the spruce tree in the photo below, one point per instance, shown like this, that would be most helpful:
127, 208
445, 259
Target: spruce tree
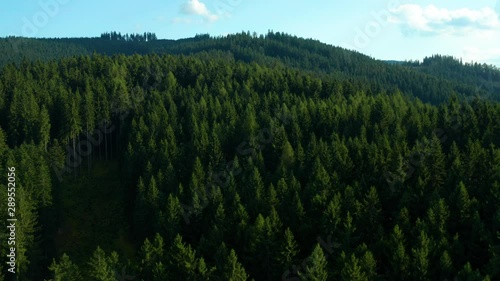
315, 268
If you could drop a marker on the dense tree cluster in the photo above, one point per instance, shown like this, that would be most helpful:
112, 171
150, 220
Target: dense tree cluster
234, 170
434, 80
117, 36
454, 69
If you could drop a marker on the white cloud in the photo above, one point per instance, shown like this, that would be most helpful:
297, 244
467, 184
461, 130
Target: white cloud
431, 20
198, 8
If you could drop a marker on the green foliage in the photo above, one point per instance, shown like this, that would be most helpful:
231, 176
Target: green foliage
27, 228
226, 163
103, 267
233, 270
289, 250
352, 270
65, 269
315, 268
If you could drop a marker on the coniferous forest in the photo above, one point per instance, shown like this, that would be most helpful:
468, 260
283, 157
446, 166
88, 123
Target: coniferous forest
245, 157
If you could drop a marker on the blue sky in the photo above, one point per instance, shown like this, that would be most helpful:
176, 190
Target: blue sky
384, 29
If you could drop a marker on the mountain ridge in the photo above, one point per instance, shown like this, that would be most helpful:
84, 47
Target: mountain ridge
276, 48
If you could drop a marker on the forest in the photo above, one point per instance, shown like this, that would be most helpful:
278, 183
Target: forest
245, 157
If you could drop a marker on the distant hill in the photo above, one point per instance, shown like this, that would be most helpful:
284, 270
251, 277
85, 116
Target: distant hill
394, 62
454, 69
245, 158
434, 80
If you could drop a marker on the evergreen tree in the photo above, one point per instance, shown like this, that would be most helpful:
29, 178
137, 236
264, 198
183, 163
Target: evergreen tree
43, 136
65, 269
352, 269
315, 268
233, 270
3, 144
101, 266
399, 260
27, 229
420, 255
289, 250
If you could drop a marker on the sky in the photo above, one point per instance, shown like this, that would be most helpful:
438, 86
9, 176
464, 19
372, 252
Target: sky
383, 29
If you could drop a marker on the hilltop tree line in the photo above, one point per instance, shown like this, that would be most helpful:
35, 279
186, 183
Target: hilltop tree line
434, 80
454, 69
117, 36
242, 171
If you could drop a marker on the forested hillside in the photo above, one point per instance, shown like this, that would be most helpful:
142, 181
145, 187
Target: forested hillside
286, 159
437, 79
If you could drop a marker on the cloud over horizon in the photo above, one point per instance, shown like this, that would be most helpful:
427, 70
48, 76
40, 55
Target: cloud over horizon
431, 20
198, 8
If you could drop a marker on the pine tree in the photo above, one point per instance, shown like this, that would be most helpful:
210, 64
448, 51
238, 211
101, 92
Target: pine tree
287, 156
445, 265
420, 255
320, 183
455, 172
153, 195
101, 267
43, 136
371, 215
315, 269
348, 231
159, 272
233, 270
152, 254
183, 262
3, 143
332, 216
463, 203
216, 155
352, 270
171, 218
438, 216
65, 269
368, 263
27, 228
197, 186
399, 261
256, 191
249, 124
56, 156
89, 117
288, 251
467, 273
271, 199
74, 127
436, 163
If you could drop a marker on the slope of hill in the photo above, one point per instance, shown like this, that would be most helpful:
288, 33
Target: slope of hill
244, 158
432, 81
